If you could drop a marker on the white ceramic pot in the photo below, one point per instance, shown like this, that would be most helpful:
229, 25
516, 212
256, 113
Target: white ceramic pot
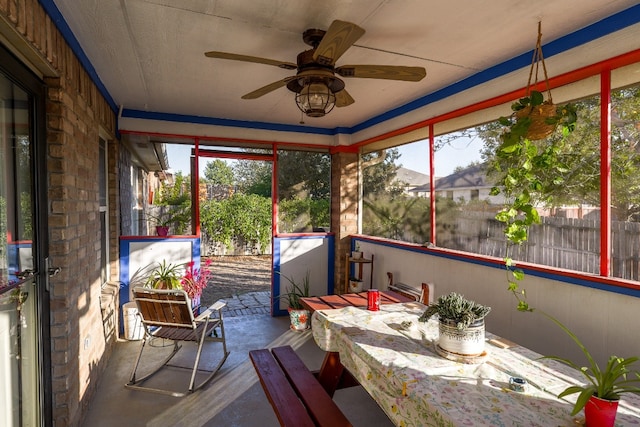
466, 342
355, 286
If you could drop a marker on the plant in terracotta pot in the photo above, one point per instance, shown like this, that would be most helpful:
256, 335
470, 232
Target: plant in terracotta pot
298, 316
461, 324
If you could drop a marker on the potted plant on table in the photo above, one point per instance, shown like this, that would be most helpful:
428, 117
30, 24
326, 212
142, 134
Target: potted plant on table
298, 315
461, 325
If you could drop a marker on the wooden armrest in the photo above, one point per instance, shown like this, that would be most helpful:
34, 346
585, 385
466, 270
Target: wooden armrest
216, 306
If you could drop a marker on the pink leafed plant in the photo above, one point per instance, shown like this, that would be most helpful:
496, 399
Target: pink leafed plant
195, 279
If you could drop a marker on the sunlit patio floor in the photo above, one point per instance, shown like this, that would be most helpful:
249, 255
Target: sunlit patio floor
233, 398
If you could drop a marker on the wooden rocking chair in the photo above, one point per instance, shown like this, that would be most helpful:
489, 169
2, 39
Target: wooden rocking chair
167, 314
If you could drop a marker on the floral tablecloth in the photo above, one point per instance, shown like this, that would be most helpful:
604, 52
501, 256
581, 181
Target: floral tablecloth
396, 362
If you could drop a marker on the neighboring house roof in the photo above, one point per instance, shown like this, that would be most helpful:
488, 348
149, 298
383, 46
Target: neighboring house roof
410, 177
473, 176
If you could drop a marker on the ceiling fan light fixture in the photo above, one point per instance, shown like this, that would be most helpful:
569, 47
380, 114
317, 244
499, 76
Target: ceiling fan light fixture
315, 99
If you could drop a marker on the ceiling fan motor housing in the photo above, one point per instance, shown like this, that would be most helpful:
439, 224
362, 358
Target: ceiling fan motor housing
312, 72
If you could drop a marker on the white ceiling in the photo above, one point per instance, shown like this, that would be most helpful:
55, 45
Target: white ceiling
149, 54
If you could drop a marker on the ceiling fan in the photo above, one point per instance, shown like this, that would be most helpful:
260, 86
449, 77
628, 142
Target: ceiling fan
315, 84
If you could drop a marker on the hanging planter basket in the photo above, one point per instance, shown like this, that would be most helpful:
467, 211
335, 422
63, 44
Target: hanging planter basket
542, 113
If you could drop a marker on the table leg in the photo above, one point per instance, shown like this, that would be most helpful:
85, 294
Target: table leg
333, 376
330, 372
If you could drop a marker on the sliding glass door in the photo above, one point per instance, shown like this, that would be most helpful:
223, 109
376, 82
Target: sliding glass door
22, 355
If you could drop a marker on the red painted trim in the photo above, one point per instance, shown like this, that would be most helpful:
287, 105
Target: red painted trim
195, 174
233, 155
605, 173
319, 234
178, 236
432, 183
274, 195
554, 82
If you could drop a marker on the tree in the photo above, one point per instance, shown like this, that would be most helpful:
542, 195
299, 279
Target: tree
574, 178
178, 193
379, 170
253, 177
304, 174
218, 172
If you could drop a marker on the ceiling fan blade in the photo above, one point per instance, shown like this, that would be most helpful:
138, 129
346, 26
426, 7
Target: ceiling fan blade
389, 72
339, 37
268, 88
247, 58
343, 98
265, 90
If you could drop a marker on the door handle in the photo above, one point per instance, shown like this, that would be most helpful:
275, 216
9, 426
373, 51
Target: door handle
25, 274
52, 271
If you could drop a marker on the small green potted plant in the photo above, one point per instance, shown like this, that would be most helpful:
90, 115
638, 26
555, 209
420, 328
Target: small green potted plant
461, 324
165, 276
298, 315
176, 216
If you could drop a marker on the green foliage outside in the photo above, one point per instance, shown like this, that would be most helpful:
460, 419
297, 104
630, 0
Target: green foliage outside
246, 216
303, 215
218, 172
570, 173
387, 212
172, 205
253, 177
379, 171
397, 217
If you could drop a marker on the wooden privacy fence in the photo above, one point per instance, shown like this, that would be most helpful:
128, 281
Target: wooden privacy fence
567, 243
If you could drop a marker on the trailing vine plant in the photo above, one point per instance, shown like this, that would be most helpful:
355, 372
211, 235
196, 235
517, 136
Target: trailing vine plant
529, 172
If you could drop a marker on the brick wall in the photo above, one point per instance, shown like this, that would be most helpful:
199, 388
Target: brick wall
344, 207
76, 114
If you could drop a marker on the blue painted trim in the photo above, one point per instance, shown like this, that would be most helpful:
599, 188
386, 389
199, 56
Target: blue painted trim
181, 118
275, 291
473, 259
331, 265
330, 238
585, 35
611, 24
125, 245
61, 24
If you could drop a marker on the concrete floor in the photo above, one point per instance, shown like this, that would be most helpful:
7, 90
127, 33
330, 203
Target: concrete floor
234, 396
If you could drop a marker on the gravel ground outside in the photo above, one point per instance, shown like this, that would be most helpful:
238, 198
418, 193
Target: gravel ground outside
237, 275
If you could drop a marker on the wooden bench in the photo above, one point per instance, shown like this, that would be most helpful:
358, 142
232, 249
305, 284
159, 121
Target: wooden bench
420, 295
295, 394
